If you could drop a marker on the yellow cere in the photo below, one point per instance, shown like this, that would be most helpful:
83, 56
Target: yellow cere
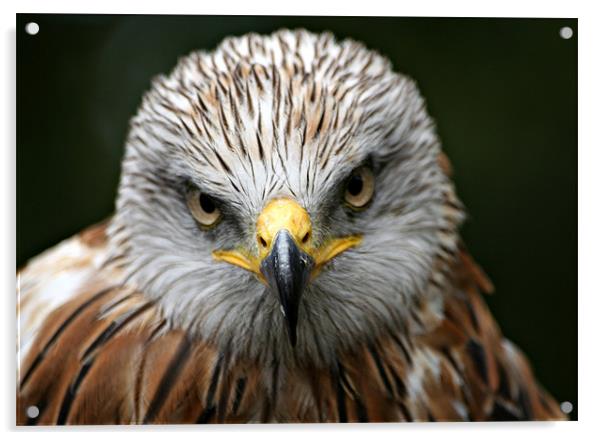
287, 214
282, 214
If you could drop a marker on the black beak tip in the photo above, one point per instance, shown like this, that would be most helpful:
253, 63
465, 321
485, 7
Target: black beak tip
292, 333
287, 271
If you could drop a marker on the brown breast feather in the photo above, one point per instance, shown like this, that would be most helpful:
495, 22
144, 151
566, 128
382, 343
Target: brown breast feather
108, 356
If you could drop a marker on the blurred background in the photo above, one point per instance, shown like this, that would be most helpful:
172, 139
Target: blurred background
502, 91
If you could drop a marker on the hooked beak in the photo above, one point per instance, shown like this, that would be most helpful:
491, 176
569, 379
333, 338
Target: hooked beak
287, 259
287, 270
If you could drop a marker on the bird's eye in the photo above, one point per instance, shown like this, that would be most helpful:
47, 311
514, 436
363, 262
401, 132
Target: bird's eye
203, 208
360, 188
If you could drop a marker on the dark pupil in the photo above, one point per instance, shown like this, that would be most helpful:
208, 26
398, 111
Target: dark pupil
206, 204
355, 185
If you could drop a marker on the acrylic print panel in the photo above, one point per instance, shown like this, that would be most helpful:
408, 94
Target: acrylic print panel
295, 219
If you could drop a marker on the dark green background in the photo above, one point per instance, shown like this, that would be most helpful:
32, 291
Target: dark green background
503, 93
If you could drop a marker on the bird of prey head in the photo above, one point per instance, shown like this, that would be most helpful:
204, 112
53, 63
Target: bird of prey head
283, 195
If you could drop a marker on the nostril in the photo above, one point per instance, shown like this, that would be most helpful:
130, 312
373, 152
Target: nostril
305, 238
262, 241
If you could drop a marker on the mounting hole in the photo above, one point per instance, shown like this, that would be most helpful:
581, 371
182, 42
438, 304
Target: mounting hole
32, 28
566, 407
33, 412
566, 33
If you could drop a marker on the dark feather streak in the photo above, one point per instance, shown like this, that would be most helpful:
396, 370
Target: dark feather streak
169, 378
59, 331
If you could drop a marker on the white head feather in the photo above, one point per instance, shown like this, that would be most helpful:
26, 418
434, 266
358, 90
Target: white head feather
289, 114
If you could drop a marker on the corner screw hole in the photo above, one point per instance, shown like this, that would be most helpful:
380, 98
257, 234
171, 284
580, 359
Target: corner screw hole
33, 412
32, 28
566, 33
566, 407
